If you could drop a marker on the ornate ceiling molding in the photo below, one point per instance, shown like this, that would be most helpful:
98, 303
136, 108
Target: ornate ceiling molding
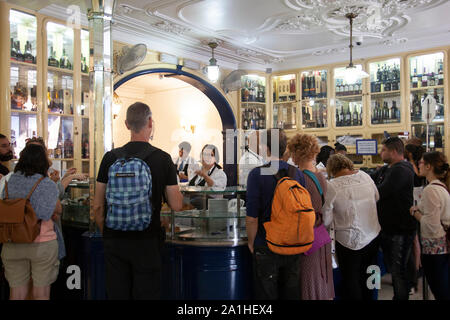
171, 27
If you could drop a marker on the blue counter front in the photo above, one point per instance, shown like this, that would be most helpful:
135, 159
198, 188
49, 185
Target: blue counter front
206, 272
189, 272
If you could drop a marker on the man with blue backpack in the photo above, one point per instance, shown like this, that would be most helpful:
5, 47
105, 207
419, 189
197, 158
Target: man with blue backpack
131, 184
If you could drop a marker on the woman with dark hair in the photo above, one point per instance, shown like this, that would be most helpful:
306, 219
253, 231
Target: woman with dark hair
340, 148
322, 159
433, 213
40, 258
211, 173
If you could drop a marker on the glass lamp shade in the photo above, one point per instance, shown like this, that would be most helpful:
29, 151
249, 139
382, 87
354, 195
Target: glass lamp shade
212, 72
352, 74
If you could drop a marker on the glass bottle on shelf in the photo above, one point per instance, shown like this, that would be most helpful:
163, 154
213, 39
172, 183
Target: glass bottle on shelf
64, 61
19, 53
52, 61
13, 50
440, 75
28, 56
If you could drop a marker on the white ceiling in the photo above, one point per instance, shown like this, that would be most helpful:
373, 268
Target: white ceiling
277, 34
154, 83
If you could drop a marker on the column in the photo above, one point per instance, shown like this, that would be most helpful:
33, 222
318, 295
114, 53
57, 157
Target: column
101, 85
5, 107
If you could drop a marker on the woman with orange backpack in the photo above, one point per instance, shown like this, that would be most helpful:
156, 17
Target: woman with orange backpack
316, 273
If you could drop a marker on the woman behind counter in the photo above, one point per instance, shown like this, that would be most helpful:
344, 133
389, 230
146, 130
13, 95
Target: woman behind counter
211, 173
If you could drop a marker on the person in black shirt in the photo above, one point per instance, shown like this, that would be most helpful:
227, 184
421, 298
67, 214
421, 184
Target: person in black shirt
6, 154
132, 258
395, 183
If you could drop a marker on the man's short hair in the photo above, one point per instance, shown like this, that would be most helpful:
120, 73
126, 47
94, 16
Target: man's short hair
2, 136
186, 146
266, 139
137, 116
396, 144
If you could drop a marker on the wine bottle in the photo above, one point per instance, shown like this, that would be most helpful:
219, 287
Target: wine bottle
338, 124
355, 120
438, 138
375, 113
20, 56
440, 73
52, 62
341, 117
360, 116
348, 117
385, 112
28, 56
424, 78
13, 50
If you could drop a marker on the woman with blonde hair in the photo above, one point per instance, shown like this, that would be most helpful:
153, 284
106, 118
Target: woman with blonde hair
433, 213
316, 273
351, 205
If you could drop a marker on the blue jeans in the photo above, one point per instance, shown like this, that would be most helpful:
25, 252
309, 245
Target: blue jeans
437, 271
396, 251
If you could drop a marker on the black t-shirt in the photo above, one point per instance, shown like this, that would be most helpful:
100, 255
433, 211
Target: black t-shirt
3, 170
163, 173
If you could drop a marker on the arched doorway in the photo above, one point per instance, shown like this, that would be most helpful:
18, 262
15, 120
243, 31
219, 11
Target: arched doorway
220, 102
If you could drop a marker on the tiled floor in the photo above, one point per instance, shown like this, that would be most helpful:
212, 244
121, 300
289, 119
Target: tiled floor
387, 292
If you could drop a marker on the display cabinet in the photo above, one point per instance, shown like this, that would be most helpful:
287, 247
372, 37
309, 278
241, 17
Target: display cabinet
23, 78
349, 141
253, 102
284, 102
349, 111
314, 100
427, 99
76, 205
385, 92
216, 220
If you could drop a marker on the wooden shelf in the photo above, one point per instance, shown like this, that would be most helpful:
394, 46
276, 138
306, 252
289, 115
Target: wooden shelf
426, 88
60, 114
24, 112
386, 93
285, 102
252, 102
349, 97
315, 99
55, 69
20, 63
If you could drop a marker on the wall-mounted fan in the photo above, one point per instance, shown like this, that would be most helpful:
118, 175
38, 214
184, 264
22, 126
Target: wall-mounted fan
131, 57
232, 82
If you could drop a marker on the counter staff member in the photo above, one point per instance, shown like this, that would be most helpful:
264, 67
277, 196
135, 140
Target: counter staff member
185, 163
211, 173
6, 154
132, 258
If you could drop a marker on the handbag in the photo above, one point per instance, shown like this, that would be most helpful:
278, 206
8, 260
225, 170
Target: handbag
446, 228
321, 235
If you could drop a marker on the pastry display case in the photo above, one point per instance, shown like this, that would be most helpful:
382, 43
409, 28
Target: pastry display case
76, 205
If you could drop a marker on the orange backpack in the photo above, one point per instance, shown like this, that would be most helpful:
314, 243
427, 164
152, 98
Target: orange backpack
291, 227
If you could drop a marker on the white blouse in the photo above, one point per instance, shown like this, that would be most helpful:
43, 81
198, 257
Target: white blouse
351, 203
435, 207
218, 176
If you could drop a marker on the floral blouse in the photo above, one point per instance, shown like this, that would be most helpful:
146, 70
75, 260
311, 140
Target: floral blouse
434, 246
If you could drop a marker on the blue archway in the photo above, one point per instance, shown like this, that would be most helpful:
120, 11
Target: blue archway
220, 102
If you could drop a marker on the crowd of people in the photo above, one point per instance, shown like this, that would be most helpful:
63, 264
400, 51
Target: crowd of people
356, 214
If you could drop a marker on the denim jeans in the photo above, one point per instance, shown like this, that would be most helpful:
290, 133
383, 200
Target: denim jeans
397, 250
275, 276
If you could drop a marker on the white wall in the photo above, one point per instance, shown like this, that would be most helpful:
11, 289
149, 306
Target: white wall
173, 109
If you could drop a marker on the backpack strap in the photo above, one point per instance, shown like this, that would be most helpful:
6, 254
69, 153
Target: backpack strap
438, 184
34, 187
143, 154
316, 182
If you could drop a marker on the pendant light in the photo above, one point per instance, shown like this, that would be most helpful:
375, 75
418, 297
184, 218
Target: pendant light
351, 73
213, 69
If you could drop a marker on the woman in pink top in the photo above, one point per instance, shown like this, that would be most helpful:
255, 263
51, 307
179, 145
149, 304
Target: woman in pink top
37, 260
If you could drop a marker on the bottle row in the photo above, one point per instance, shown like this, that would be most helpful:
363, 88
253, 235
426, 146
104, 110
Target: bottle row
18, 55
284, 90
253, 118
63, 62
385, 114
348, 117
314, 84
434, 136
387, 79
23, 98
315, 116
63, 150
433, 76
345, 89
253, 90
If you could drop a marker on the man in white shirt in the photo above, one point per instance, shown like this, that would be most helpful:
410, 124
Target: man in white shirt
249, 160
184, 163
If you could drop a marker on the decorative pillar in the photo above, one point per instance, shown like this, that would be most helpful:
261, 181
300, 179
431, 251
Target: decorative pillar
100, 86
5, 107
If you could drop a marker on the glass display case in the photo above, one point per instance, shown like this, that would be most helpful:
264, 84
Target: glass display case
426, 98
253, 102
314, 101
349, 99
215, 219
23, 78
385, 94
285, 102
349, 141
76, 204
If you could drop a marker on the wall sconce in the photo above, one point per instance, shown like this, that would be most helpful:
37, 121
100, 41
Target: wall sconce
213, 69
187, 126
117, 105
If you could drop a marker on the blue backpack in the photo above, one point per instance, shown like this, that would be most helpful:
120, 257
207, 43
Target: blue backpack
128, 192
